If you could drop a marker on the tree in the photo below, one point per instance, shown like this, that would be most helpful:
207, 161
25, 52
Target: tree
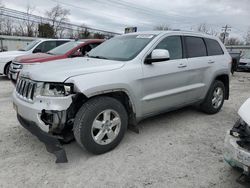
1, 18
233, 41
82, 32
162, 27
98, 36
30, 25
58, 15
8, 26
247, 37
45, 30
203, 28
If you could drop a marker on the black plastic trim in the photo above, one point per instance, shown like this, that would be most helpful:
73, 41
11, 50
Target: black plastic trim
51, 142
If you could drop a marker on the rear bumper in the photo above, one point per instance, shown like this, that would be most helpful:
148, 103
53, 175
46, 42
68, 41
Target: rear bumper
51, 142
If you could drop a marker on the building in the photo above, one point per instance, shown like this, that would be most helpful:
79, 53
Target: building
8, 43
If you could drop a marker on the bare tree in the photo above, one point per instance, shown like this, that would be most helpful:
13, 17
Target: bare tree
30, 25
82, 32
233, 41
204, 28
58, 15
8, 25
163, 27
27, 27
2, 18
247, 37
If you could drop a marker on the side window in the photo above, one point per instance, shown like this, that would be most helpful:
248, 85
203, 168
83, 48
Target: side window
60, 42
48, 45
85, 49
39, 48
173, 44
213, 47
195, 47
93, 45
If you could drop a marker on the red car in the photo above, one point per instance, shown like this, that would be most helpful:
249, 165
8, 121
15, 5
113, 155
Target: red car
68, 50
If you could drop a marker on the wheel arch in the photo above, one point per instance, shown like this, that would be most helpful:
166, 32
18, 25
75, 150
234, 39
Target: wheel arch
121, 95
5, 67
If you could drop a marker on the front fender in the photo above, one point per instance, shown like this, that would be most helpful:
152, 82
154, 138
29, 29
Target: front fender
106, 82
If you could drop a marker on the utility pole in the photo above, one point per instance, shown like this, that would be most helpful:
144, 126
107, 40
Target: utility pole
225, 29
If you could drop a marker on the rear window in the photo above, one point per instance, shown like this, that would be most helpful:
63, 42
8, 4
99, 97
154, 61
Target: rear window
213, 47
195, 47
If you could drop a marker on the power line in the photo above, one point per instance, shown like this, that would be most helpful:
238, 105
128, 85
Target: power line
38, 19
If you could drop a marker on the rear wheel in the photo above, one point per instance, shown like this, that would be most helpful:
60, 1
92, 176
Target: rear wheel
214, 99
100, 124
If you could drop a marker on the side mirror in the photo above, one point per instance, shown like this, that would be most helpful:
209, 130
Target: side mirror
37, 50
158, 55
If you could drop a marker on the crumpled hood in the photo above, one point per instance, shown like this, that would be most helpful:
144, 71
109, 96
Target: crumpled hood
244, 111
12, 54
60, 70
243, 60
34, 58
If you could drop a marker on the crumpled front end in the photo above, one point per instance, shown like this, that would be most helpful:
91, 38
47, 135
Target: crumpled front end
237, 147
237, 141
50, 118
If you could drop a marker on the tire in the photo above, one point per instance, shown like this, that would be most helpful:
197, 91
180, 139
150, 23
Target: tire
85, 130
7, 68
210, 107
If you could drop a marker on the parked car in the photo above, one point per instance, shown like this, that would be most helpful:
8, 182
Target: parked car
39, 45
244, 63
237, 141
122, 81
235, 60
67, 50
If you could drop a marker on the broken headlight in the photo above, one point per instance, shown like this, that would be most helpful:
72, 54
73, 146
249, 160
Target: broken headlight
239, 128
57, 89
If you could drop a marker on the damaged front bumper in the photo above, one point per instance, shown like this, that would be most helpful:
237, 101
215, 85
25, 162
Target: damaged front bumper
51, 142
237, 147
45, 117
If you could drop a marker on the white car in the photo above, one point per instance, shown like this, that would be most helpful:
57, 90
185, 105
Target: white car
237, 141
36, 46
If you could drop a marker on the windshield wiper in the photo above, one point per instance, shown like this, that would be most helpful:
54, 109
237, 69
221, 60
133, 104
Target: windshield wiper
98, 57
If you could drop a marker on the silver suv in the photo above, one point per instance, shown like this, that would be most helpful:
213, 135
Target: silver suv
121, 82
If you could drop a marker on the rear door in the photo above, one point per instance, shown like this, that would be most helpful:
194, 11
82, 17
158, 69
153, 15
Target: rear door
165, 84
200, 66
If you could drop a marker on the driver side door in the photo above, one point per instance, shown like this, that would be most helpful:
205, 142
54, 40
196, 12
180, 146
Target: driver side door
166, 83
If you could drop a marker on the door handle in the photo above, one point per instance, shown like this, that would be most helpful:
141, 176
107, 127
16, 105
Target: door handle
211, 62
182, 66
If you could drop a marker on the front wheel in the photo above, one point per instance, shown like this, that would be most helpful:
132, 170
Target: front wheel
100, 124
7, 69
214, 99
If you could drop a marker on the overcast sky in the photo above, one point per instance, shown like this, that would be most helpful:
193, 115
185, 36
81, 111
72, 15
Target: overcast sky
115, 15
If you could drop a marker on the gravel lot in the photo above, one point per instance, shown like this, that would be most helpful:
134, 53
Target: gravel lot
178, 149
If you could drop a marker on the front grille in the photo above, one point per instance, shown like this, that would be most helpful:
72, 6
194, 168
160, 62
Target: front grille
25, 88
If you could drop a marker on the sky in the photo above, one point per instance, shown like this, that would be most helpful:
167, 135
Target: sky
115, 15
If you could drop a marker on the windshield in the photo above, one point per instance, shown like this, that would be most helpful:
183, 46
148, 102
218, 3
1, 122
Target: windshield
64, 48
30, 45
122, 48
246, 55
